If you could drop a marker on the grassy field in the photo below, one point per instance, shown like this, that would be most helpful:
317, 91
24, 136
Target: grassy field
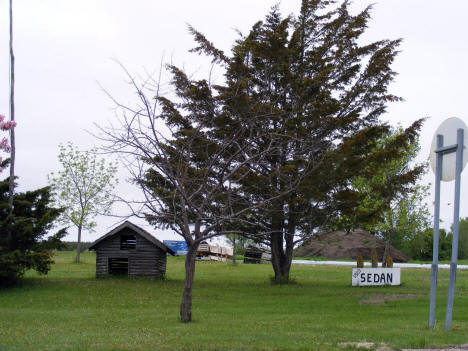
234, 308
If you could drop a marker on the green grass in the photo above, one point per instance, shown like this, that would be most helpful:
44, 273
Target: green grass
234, 308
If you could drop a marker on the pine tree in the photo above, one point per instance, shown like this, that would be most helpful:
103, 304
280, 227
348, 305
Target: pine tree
29, 224
323, 92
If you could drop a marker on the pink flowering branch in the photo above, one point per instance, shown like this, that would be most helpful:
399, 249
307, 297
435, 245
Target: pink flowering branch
4, 145
6, 125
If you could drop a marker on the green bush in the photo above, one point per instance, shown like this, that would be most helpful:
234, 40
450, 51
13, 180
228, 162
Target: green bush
360, 262
389, 262
374, 258
420, 246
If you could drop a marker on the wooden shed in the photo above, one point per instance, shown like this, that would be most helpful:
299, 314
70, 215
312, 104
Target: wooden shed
130, 250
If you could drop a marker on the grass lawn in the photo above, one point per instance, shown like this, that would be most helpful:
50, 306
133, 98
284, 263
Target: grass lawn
234, 308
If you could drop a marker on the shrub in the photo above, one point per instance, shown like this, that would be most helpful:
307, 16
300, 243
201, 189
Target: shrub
360, 262
374, 258
389, 262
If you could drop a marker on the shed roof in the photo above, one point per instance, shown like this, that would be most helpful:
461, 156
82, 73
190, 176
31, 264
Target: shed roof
138, 230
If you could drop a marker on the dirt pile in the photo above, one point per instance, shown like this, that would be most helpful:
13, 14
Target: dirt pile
340, 245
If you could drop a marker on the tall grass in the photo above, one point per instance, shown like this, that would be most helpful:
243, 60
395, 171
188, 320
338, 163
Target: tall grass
234, 308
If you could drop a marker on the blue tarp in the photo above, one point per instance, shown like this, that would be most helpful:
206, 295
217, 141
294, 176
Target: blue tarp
179, 247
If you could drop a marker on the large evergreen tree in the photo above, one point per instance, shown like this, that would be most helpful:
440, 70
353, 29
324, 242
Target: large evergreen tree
31, 221
323, 92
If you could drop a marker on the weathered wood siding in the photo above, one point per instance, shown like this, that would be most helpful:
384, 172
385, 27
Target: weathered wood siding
146, 260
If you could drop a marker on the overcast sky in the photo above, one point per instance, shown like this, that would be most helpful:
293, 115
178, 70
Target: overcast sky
64, 48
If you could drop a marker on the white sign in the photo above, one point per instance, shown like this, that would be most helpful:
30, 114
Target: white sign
448, 129
375, 276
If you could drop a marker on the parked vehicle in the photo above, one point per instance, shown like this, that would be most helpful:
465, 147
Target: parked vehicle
257, 255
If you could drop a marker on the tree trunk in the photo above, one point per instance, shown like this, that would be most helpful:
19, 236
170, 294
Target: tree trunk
186, 304
281, 256
280, 259
388, 243
234, 249
78, 246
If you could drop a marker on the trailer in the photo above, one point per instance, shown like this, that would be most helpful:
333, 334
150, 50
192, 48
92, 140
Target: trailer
213, 252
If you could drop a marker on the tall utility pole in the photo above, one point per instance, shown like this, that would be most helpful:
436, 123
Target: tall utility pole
12, 115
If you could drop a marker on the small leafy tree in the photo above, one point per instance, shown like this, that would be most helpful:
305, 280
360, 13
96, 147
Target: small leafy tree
393, 203
83, 188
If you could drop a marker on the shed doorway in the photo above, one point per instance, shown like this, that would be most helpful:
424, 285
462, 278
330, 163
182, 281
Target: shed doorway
118, 266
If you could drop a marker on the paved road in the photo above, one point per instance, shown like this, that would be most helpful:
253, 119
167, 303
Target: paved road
367, 264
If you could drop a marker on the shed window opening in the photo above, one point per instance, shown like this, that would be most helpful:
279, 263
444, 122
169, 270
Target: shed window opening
118, 266
127, 242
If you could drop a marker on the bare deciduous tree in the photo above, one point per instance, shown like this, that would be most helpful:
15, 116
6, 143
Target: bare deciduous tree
188, 156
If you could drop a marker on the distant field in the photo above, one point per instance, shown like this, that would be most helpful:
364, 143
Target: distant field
235, 308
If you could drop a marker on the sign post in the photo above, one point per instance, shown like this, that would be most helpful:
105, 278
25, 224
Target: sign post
435, 247
446, 169
456, 219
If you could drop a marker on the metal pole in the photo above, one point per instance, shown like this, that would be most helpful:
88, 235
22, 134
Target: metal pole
456, 218
11, 182
435, 247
